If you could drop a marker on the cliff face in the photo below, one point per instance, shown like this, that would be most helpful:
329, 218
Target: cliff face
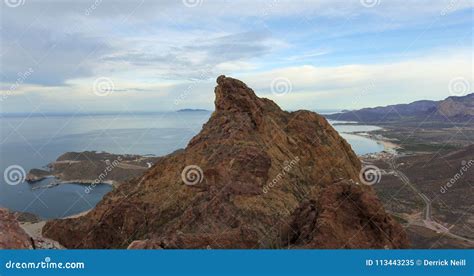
270, 179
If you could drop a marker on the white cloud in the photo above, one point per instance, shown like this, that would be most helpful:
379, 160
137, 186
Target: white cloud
151, 49
346, 86
361, 85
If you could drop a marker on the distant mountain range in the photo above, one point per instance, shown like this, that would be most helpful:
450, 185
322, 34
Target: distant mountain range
193, 110
457, 109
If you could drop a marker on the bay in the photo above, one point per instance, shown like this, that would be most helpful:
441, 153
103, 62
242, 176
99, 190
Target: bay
34, 141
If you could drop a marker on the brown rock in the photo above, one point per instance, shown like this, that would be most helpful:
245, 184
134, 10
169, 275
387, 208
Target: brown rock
143, 244
264, 169
12, 236
345, 216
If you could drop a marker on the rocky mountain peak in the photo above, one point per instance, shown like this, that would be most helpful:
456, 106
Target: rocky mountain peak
261, 177
235, 96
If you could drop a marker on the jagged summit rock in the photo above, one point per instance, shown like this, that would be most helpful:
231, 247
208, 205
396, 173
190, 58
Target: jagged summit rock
259, 177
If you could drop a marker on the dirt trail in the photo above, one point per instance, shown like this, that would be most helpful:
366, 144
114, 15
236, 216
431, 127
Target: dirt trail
428, 221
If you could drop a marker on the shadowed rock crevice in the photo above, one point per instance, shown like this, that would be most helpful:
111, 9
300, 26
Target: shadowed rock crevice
263, 168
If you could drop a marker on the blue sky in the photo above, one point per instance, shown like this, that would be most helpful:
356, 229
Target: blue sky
94, 56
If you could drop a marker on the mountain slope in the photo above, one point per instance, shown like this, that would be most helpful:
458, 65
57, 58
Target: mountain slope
264, 178
457, 107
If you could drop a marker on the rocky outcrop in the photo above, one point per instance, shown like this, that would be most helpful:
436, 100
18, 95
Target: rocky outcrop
35, 175
22, 231
89, 167
345, 217
259, 177
12, 236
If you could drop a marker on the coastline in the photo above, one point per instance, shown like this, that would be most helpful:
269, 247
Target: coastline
388, 144
78, 215
35, 231
84, 182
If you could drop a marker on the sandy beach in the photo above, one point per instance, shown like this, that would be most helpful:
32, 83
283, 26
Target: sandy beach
389, 145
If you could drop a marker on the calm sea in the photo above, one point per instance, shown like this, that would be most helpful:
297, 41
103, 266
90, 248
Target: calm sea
35, 141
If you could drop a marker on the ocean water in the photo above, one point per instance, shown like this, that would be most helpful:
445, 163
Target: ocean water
33, 142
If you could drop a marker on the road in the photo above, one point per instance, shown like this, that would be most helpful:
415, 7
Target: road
427, 219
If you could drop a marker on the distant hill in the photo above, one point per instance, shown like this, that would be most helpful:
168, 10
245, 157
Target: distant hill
458, 107
192, 110
450, 109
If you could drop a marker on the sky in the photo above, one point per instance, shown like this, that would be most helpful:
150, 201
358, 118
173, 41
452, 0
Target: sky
130, 56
